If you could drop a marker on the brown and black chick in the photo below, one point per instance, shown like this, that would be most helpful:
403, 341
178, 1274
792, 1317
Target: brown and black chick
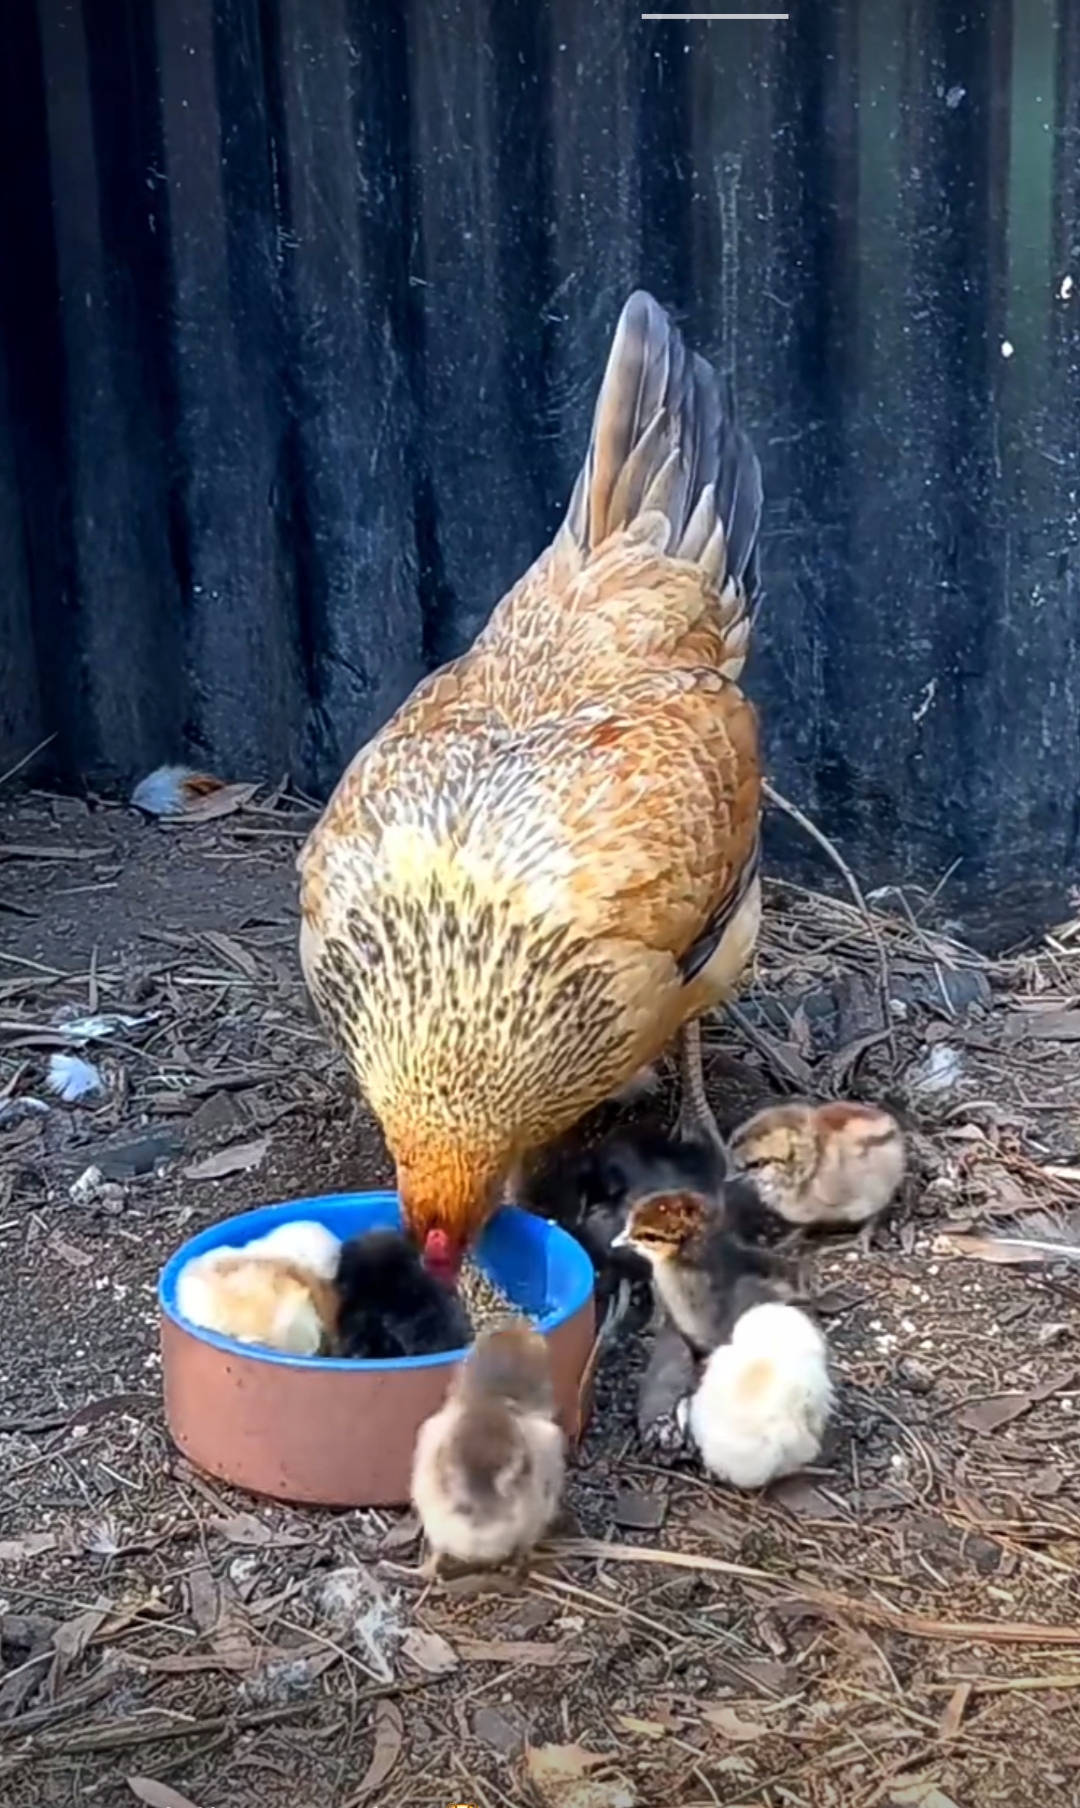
704, 1275
590, 1191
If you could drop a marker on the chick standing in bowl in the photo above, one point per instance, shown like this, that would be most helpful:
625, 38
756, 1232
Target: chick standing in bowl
489, 1467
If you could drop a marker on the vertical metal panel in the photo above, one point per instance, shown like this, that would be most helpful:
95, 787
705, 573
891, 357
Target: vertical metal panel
302, 312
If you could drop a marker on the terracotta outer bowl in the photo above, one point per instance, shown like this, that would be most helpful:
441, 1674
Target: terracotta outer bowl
341, 1434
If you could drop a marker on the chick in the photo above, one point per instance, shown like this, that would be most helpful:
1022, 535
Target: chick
303, 1241
830, 1165
704, 1275
764, 1399
589, 1191
390, 1306
263, 1300
489, 1468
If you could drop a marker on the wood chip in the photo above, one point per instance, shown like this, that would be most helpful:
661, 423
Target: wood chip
953, 1716
1042, 1026
640, 1511
920, 1794
157, 1794
15, 850
239, 1159
31, 1544
204, 1601
642, 1729
429, 1651
512, 1651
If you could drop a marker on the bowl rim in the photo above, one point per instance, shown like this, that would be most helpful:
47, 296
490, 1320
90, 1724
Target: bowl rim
579, 1292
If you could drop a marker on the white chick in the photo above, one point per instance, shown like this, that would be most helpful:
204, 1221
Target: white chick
489, 1468
764, 1400
303, 1241
261, 1300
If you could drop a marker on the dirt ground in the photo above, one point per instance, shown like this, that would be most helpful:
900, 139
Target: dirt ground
899, 1626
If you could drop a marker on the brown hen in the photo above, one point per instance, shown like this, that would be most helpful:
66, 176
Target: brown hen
545, 865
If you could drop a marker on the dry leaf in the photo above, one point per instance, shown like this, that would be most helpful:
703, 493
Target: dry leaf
71, 1639
798, 1495
400, 1536
561, 1773
952, 1718
158, 1795
243, 1528
223, 802
253, 1534
389, 1738
204, 1603
989, 1415
430, 1652
232, 951
731, 1726
31, 1544
67, 1252
239, 1159
920, 1794
231, 1642
987, 1249
645, 1729
1002, 1409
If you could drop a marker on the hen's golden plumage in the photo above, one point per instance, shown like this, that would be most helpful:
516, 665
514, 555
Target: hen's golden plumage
546, 864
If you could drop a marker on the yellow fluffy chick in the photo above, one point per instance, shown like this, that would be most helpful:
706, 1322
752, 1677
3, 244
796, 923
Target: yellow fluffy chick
257, 1299
303, 1241
764, 1399
832, 1165
489, 1468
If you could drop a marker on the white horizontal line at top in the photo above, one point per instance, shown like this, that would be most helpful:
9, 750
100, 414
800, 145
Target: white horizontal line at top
709, 17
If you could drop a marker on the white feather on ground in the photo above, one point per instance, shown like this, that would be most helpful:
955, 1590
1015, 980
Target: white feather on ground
71, 1078
764, 1399
169, 790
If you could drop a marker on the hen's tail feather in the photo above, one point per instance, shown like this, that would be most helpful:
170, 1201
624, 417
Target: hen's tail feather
665, 441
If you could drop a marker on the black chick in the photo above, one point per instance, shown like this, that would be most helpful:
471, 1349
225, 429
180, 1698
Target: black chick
589, 1191
390, 1306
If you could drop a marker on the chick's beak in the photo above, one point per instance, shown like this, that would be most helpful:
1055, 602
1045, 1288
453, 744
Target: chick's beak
622, 1241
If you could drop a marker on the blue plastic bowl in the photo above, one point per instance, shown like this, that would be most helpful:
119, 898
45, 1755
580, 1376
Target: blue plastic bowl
338, 1432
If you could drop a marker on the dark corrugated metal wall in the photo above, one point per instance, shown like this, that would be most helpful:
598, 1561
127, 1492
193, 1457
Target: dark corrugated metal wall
302, 311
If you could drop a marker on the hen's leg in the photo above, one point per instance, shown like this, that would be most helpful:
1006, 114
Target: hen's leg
695, 1112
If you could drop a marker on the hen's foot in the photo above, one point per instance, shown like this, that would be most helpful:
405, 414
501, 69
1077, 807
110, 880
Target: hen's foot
695, 1113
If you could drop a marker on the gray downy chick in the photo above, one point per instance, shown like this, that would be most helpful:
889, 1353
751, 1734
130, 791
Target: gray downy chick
489, 1468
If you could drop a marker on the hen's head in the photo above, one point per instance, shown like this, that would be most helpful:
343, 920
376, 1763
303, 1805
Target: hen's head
447, 1197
